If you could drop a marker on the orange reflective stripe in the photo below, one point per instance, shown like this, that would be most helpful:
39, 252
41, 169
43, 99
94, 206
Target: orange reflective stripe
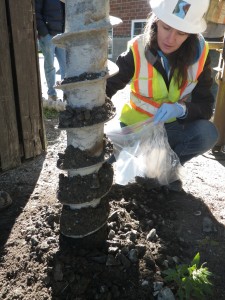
148, 88
150, 78
201, 62
140, 110
137, 66
147, 100
183, 87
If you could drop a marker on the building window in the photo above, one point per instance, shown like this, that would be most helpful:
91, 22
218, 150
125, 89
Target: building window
137, 27
110, 43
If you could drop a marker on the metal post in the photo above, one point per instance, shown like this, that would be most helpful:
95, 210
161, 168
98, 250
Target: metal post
219, 115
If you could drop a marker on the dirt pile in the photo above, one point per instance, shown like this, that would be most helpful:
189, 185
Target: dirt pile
148, 231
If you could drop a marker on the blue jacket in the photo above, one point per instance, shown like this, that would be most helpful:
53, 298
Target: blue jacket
50, 17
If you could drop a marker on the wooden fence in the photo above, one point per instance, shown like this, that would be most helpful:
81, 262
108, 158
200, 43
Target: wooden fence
21, 119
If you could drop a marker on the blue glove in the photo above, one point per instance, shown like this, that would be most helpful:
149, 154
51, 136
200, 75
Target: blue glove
168, 111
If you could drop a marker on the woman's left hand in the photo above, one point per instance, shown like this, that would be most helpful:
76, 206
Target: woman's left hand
168, 111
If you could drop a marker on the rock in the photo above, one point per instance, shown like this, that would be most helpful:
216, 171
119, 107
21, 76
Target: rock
158, 285
133, 255
208, 225
151, 235
165, 294
112, 261
111, 234
124, 261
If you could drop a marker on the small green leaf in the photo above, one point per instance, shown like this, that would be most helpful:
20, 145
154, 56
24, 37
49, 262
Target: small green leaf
192, 281
196, 260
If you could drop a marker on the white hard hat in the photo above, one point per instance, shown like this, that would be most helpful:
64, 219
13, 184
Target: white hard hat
183, 15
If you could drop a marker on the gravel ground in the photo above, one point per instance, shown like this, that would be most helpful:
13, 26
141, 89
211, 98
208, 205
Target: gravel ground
148, 231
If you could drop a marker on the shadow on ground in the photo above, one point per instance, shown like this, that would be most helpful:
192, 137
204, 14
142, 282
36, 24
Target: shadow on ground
184, 226
20, 184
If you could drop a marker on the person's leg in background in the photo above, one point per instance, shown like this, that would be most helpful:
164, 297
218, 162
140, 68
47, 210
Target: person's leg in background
48, 49
60, 54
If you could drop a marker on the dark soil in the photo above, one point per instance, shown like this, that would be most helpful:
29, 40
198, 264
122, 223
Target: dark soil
74, 158
148, 231
82, 77
80, 117
82, 189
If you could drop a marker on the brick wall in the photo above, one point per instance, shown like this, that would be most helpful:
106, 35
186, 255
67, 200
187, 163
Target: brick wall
128, 10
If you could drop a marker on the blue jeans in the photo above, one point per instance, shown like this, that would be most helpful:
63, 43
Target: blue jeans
191, 139
49, 51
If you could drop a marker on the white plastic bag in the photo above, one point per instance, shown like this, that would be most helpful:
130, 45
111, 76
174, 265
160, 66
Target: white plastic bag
143, 150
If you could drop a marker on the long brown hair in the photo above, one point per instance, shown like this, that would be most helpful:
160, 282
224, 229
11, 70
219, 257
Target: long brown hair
181, 58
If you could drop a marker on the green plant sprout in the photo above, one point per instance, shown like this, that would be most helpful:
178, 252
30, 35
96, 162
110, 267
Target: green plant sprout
192, 281
50, 113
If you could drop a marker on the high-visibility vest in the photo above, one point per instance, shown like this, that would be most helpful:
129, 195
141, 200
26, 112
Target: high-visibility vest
148, 88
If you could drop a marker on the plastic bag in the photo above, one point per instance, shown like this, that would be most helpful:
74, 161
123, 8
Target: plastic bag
142, 150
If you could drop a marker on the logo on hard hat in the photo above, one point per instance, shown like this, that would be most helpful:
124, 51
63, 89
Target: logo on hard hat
181, 9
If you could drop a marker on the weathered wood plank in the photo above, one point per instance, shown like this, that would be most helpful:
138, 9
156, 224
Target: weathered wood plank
28, 84
9, 141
